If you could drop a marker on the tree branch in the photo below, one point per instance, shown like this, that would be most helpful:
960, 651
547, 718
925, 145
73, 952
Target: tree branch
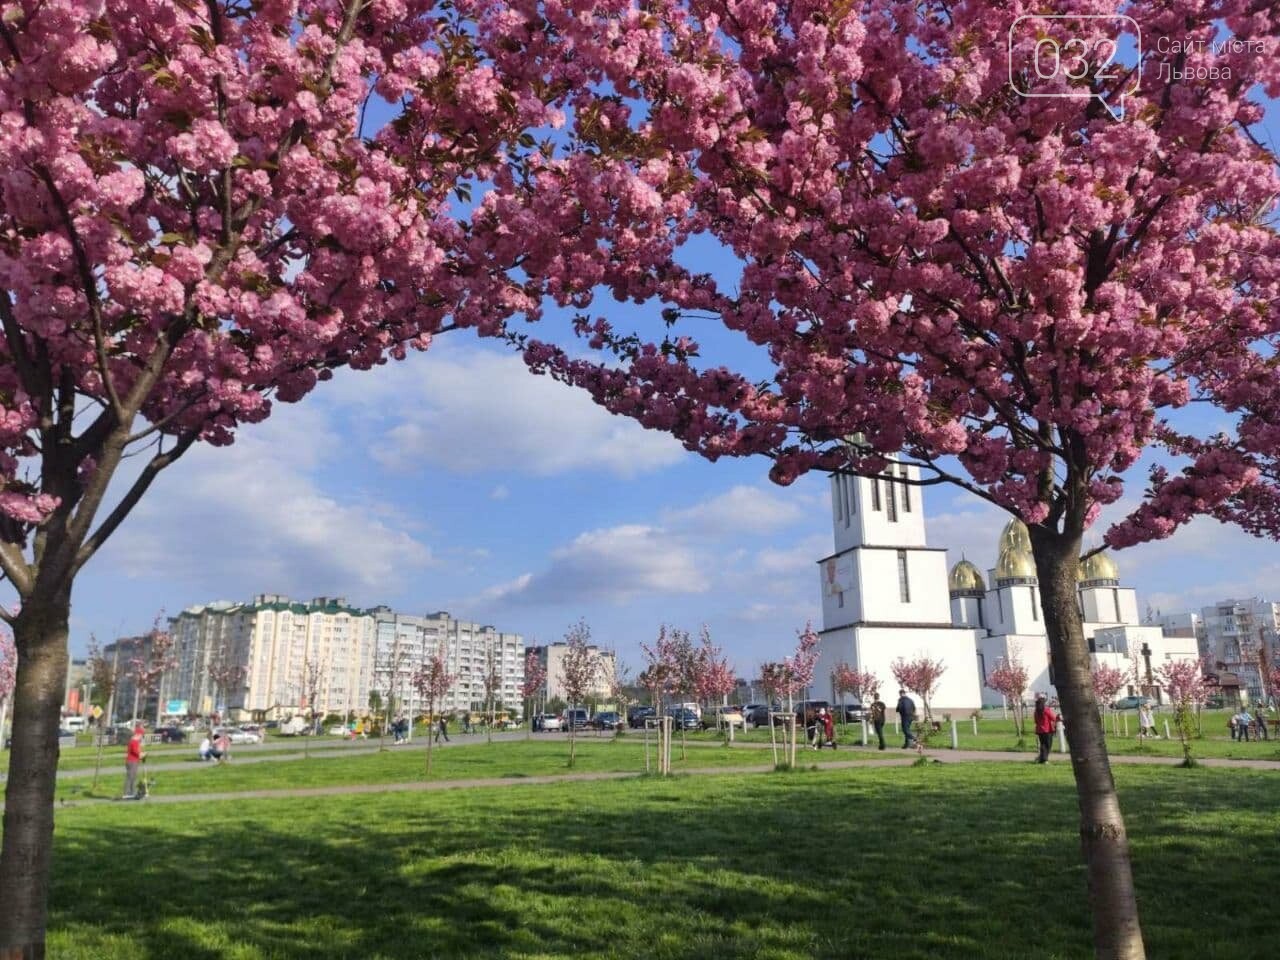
131, 498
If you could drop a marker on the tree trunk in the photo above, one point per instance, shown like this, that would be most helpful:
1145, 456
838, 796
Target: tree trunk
1117, 934
40, 634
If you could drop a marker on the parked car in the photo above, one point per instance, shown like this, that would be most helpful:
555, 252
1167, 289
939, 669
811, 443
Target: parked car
296, 726
75, 724
338, 730
683, 718
577, 717
607, 720
236, 735
1133, 703
714, 718
550, 722
853, 712
757, 714
636, 716
171, 734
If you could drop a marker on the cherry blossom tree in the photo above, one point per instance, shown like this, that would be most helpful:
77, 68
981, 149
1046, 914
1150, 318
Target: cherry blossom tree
659, 675
801, 664
535, 677
432, 681
1017, 296
208, 207
863, 684
714, 679
1107, 682
146, 671
1009, 679
920, 676
581, 672
1184, 682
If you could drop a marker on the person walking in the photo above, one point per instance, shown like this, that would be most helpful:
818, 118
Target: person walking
878, 709
1260, 721
907, 714
1234, 726
134, 755
442, 729
1046, 725
1146, 722
1244, 721
828, 728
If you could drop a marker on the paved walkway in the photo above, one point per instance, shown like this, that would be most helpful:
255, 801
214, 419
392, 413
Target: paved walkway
892, 758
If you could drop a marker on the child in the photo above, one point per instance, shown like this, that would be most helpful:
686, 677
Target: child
829, 728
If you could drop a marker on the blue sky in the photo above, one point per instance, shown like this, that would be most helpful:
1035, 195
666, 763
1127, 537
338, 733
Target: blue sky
457, 481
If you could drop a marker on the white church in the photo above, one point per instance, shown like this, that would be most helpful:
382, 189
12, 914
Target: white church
887, 594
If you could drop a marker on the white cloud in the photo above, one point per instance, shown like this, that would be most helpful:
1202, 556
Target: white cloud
252, 518
740, 509
614, 564
472, 410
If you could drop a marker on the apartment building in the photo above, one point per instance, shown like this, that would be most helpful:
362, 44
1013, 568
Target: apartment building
552, 656
256, 660
405, 641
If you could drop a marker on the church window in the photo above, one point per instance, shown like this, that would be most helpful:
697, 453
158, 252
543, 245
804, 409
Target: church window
1115, 596
875, 493
840, 599
890, 498
850, 499
837, 484
1035, 604
980, 617
906, 491
904, 587
1000, 603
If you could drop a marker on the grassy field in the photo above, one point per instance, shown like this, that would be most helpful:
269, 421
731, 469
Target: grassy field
996, 733
971, 861
399, 765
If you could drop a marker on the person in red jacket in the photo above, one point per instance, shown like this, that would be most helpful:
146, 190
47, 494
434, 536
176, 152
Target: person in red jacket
829, 728
132, 757
1046, 725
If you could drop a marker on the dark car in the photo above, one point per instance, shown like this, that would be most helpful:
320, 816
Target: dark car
757, 714
170, 735
576, 718
636, 716
682, 718
608, 720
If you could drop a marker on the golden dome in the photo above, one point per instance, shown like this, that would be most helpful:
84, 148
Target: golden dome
964, 577
1099, 567
1015, 564
1014, 536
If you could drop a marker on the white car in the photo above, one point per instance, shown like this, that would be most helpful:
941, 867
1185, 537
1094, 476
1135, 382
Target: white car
236, 735
551, 721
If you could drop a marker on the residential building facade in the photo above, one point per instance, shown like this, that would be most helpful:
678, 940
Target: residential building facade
405, 641
275, 644
1241, 636
552, 655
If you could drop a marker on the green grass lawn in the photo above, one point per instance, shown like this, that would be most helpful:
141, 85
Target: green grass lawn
398, 765
997, 733
965, 861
